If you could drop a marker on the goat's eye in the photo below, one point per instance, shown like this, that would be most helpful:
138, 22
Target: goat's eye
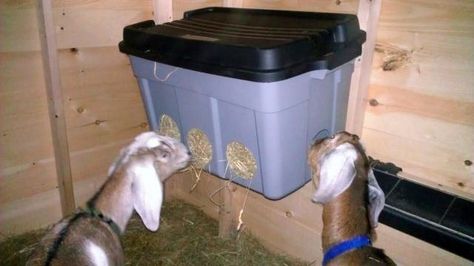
164, 155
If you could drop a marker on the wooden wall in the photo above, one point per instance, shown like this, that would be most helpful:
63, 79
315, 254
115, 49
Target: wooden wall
422, 92
102, 103
418, 113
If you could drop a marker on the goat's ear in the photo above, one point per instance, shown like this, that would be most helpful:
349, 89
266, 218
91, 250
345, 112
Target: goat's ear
376, 199
148, 196
162, 152
336, 173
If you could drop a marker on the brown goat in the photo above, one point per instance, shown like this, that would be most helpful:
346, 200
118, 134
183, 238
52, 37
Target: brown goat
91, 236
351, 198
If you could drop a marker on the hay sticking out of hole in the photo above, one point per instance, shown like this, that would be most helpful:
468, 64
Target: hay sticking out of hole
241, 160
168, 127
200, 148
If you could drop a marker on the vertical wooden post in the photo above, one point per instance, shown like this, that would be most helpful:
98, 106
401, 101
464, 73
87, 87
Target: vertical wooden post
233, 3
163, 11
226, 214
368, 14
55, 105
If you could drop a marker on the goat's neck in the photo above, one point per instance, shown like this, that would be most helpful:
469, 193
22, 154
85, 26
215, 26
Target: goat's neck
346, 216
115, 199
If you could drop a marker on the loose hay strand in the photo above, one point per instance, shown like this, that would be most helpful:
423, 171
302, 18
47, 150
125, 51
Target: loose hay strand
241, 160
168, 127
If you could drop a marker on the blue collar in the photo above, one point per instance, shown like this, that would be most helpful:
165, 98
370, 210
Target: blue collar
353, 243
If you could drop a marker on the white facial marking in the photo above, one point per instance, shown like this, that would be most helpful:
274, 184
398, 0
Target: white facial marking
97, 254
152, 143
337, 173
148, 139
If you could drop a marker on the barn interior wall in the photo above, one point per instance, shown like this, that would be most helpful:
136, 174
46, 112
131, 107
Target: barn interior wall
418, 112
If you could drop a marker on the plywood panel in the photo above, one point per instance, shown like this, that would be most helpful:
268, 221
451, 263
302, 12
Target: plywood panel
26, 180
435, 16
180, 6
27, 214
101, 98
83, 27
349, 6
103, 101
94, 163
421, 96
429, 63
85, 189
20, 25
27, 172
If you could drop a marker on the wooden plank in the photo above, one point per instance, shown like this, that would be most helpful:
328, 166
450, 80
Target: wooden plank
347, 6
27, 180
103, 102
428, 63
85, 189
436, 16
233, 3
91, 4
421, 93
82, 27
201, 197
20, 30
180, 6
441, 166
368, 14
163, 11
94, 162
227, 217
30, 213
55, 103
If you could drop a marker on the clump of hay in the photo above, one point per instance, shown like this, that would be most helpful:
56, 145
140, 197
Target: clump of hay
241, 160
201, 151
15, 250
186, 236
200, 148
168, 127
394, 57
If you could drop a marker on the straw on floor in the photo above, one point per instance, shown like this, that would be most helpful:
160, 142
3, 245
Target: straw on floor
186, 237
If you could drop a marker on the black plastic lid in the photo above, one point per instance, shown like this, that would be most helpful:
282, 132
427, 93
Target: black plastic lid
250, 44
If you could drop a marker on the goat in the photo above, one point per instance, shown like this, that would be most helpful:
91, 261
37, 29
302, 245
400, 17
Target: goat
91, 236
352, 201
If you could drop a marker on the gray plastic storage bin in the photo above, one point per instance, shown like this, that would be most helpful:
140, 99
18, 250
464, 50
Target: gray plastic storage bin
275, 109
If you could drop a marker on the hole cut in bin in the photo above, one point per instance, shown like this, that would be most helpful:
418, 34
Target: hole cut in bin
241, 160
168, 127
322, 134
200, 148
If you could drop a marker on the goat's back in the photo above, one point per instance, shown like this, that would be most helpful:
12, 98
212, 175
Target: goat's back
79, 240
